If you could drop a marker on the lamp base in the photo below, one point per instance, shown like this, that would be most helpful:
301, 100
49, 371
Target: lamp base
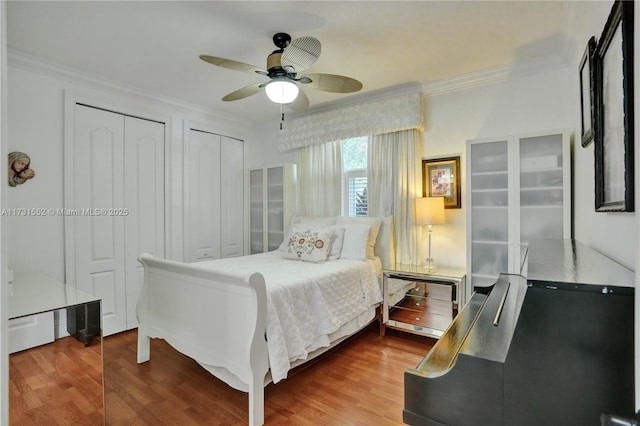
429, 266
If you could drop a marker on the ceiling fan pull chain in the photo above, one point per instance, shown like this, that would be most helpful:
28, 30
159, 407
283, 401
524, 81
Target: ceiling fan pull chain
281, 116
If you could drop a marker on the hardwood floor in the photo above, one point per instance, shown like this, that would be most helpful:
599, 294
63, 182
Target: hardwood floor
56, 384
359, 383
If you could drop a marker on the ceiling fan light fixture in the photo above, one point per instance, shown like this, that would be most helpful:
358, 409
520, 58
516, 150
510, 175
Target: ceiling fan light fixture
281, 91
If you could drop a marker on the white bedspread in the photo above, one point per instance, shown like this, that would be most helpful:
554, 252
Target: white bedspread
307, 302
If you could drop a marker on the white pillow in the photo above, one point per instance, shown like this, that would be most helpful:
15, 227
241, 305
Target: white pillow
314, 220
336, 242
354, 245
309, 245
374, 224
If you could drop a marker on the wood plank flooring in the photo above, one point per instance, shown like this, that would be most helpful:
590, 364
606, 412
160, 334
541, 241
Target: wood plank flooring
56, 384
358, 383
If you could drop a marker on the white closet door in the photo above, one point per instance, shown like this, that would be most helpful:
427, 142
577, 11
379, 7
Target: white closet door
144, 202
202, 189
232, 197
98, 170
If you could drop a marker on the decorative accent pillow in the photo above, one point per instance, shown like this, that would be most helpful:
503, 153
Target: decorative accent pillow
336, 242
354, 245
309, 245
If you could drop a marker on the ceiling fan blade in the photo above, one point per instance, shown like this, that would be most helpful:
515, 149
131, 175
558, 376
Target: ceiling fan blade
301, 53
244, 92
300, 103
331, 83
233, 65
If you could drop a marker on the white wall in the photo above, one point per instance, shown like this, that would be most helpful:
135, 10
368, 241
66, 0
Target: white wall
263, 151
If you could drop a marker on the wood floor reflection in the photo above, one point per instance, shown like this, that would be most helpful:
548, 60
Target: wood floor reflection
59, 383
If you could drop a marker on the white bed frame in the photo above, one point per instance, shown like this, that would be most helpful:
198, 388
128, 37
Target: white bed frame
226, 325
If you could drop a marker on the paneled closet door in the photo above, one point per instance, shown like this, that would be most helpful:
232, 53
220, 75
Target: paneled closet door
144, 202
118, 194
99, 179
232, 197
202, 192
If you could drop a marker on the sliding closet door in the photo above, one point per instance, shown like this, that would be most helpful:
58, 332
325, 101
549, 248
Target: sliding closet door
98, 173
144, 202
202, 192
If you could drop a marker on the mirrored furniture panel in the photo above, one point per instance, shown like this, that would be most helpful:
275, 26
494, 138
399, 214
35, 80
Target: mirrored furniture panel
419, 301
55, 379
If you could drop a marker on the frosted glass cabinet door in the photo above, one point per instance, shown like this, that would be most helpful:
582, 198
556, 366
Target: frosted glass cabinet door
518, 189
275, 207
273, 201
489, 220
256, 182
541, 188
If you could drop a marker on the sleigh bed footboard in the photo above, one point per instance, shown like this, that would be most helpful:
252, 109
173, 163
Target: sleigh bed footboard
216, 318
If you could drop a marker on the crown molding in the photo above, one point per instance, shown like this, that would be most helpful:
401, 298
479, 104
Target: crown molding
466, 81
23, 61
485, 77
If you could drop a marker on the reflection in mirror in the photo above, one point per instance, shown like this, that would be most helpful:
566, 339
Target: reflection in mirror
53, 380
58, 380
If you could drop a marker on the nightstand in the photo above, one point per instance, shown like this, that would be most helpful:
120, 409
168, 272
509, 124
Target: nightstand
421, 302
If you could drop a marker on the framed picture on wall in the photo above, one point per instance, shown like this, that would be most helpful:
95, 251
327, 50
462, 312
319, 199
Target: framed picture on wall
587, 107
613, 65
441, 178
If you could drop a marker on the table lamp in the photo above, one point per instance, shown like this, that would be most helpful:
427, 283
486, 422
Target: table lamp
429, 211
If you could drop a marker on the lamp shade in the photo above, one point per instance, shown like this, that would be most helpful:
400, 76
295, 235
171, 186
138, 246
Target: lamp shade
430, 211
281, 91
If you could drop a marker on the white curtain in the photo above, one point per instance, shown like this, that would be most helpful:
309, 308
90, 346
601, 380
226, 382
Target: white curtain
394, 180
320, 179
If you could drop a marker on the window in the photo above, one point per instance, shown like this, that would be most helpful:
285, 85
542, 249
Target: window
354, 178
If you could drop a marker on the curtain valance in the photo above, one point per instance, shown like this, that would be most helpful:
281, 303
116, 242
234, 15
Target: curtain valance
371, 118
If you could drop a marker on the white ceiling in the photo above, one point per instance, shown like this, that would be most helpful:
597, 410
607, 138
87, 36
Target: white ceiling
154, 46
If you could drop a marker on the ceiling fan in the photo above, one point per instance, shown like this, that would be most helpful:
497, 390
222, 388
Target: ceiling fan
283, 67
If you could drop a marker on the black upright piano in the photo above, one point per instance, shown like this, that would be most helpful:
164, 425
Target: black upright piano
550, 346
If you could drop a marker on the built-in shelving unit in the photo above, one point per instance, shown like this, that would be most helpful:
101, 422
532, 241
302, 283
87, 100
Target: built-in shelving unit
518, 189
272, 203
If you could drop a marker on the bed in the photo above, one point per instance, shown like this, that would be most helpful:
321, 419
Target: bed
249, 320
